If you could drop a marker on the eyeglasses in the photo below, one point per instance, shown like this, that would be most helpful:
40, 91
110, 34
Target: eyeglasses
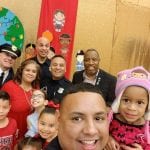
37, 96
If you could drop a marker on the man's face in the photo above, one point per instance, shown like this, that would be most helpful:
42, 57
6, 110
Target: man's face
83, 123
7, 60
42, 47
91, 63
58, 68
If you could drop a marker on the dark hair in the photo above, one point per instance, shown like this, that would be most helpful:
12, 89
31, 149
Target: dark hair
29, 141
52, 49
18, 75
47, 110
65, 35
80, 52
57, 56
82, 87
30, 45
92, 49
42, 90
4, 95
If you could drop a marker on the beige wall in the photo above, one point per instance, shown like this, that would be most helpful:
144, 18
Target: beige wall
118, 29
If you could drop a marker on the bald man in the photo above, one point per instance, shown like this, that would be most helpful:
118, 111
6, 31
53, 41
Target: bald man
42, 48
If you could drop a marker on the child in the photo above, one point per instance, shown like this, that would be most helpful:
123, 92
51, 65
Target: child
130, 126
29, 143
8, 126
47, 125
38, 101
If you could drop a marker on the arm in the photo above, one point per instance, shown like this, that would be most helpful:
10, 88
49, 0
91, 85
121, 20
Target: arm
134, 146
112, 144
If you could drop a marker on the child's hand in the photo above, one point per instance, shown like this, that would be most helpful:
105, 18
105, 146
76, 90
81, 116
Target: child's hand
112, 144
135, 146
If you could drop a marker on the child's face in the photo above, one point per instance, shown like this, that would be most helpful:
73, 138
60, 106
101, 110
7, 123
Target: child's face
47, 126
4, 108
29, 147
133, 104
38, 99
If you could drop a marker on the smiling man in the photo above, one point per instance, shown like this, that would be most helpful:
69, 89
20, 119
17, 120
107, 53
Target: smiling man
96, 76
57, 83
8, 55
83, 122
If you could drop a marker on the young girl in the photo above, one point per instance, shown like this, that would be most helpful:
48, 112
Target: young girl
130, 125
38, 101
29, 143
47, 125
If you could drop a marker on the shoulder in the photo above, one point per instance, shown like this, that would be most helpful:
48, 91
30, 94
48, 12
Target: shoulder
77, 73
65, 82
9, 84
12, 123
54, 145
107, 75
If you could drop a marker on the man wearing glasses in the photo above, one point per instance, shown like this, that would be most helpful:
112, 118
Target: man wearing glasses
8, 55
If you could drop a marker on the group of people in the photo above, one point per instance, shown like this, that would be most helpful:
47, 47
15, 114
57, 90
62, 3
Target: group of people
41, 109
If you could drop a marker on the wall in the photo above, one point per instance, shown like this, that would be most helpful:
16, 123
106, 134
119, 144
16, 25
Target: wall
118, 29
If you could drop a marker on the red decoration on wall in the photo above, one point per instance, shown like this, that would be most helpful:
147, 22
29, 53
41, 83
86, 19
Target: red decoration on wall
59, 17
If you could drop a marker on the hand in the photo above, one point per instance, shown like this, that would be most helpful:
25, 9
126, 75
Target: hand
135, 146
112, 144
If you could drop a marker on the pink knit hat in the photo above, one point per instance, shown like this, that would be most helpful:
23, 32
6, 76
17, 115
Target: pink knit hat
137, 76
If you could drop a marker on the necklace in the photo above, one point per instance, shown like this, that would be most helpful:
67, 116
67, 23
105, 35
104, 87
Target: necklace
28, 98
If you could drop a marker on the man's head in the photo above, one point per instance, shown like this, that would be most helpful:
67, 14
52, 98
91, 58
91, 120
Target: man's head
8, 55
42, 47
83, 122
91, 62
58, 67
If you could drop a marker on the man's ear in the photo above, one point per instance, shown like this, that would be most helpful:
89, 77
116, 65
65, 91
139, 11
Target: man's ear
46, 102
57, 114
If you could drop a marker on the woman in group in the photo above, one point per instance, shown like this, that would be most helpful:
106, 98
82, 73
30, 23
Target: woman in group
20, 90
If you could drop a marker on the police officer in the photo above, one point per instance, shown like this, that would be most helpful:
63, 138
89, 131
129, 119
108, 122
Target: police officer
57, 83
8, 55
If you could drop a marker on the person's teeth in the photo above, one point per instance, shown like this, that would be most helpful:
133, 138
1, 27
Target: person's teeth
88, 142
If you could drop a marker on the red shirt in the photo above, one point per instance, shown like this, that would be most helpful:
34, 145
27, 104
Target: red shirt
8, 135
20, 105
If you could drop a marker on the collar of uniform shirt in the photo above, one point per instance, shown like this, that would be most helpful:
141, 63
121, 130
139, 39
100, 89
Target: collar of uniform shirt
86, 78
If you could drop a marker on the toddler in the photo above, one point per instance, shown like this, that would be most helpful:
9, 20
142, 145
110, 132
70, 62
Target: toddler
129, 127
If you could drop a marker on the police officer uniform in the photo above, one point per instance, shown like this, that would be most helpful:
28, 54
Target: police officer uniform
14, 52
55, 88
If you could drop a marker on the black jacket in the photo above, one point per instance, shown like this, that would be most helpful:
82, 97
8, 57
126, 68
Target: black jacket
45, 73
105, 81
55, 88
53, 145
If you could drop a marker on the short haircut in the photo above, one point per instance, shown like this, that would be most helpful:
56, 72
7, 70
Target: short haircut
92, 49
57, 56
4, 96
82, 87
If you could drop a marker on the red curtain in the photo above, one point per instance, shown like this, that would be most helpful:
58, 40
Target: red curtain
59, 17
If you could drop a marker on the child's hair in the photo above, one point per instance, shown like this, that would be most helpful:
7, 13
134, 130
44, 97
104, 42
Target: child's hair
30, 141
4, 96
44, 91
137, 76
47, 110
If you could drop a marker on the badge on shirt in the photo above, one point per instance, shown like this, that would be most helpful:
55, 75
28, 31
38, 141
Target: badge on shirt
60, 90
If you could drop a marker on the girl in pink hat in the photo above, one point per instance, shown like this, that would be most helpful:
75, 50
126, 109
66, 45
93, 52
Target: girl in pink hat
130, 114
